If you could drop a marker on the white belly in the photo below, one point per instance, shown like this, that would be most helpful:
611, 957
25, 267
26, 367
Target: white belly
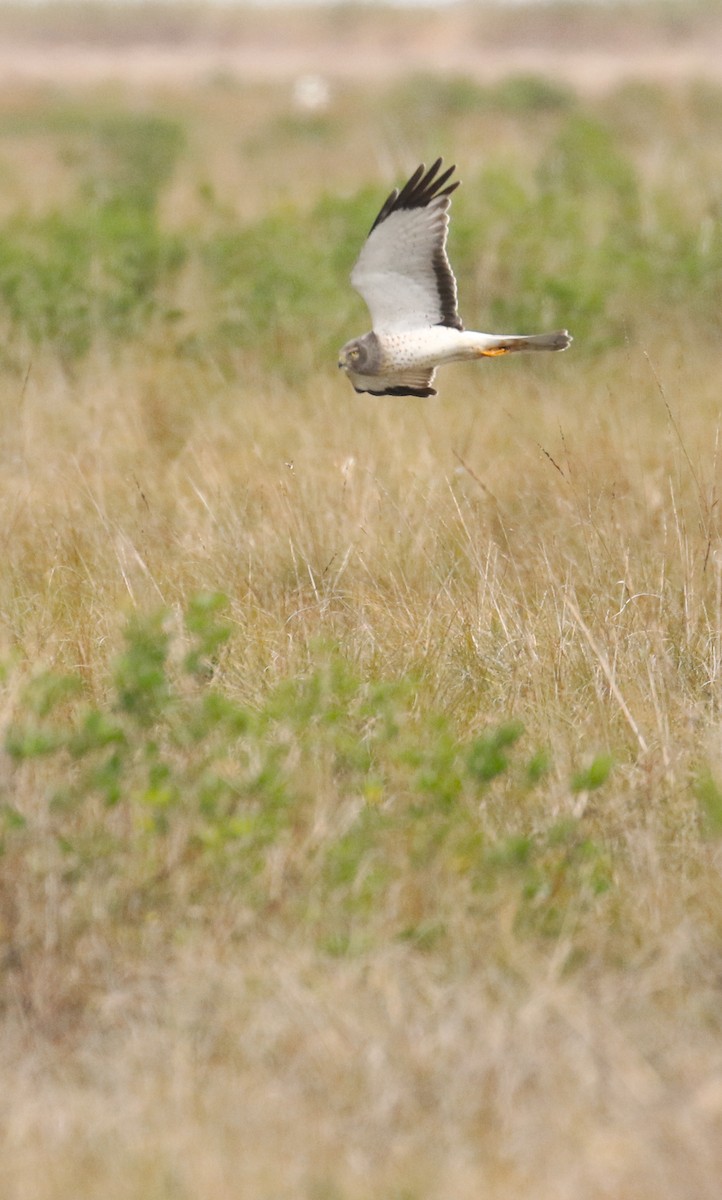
430, 347
419, 348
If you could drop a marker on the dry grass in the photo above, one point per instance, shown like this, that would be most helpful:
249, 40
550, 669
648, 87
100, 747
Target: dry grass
514, 991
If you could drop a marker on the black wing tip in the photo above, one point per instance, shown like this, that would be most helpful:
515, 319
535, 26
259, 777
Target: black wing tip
419, 190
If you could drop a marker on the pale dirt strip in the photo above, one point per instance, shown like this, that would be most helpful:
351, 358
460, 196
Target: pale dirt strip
587, 69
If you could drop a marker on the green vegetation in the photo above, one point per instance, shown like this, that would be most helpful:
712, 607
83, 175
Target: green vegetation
99, 267
204, 790
578, 228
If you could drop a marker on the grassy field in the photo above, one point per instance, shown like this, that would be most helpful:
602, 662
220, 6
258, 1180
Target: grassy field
361, 777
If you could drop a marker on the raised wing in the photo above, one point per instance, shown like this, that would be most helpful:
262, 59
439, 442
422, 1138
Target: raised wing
403, 272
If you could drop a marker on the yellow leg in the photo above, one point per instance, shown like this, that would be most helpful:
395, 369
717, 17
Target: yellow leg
492, 353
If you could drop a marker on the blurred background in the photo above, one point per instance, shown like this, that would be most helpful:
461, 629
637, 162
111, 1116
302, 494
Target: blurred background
591, 43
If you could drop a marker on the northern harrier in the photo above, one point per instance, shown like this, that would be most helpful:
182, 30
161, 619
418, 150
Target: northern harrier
405, 278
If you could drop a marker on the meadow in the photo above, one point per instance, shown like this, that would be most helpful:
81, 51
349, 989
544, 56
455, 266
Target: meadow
361, 774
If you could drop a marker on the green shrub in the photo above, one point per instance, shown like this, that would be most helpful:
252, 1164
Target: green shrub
97, 268
170, 784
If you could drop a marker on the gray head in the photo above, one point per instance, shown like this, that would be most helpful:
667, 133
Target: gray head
361, 355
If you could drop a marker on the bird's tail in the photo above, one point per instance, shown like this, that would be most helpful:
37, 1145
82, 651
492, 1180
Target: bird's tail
489, 345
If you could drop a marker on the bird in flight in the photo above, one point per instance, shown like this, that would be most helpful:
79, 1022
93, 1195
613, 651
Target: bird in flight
404, 276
